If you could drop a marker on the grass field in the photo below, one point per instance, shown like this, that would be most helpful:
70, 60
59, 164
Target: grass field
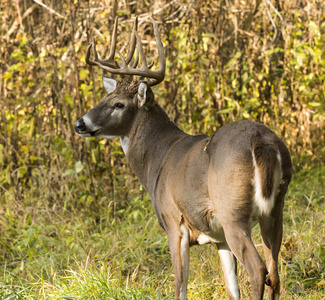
56, 254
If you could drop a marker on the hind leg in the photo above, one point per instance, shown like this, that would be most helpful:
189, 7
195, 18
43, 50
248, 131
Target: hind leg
271, 230
238, 237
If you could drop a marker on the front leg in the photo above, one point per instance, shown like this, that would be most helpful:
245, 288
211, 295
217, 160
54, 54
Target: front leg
179, 246
229, 267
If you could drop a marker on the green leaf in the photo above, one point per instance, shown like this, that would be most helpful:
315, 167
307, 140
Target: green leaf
68, 172
22, 172
314, 104
276, 50
246, 115
231, 61
7, 75
69, 240
226, 110
79, 167
83, 74
68, 99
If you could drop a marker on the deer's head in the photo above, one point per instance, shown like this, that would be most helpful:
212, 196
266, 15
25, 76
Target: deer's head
114, 115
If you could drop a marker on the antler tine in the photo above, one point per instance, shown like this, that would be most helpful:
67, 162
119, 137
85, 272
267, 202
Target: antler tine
144, 66
132, 41
135, 63
113, 42
87, 58
150, 66
162, 60
109, 62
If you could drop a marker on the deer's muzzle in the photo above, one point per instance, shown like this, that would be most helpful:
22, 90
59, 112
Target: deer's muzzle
80, 126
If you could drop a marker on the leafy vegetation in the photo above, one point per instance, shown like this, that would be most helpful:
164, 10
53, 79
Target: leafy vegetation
74, 221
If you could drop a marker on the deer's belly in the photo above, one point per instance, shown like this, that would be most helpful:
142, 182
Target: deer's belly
205, 231
215, 232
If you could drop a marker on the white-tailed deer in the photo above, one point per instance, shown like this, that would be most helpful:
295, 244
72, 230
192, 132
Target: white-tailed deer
204, 189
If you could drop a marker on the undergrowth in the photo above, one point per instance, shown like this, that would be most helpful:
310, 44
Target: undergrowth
124, 255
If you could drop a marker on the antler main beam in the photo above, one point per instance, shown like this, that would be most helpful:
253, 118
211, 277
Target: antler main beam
112, 66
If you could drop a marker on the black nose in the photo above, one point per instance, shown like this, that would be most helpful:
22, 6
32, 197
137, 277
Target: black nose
80, 125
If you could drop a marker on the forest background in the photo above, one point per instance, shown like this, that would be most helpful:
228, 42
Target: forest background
74, 221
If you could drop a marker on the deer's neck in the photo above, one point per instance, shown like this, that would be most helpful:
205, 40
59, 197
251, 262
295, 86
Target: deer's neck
152, 135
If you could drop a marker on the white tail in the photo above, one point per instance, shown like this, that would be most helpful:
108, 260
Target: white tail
203, 189
267, 178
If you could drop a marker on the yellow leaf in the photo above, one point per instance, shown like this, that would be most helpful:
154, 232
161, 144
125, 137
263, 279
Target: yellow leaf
321, 283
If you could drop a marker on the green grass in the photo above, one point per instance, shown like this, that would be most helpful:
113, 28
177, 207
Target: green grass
56, 254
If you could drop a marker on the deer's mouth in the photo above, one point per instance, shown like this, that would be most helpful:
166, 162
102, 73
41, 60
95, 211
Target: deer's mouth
86, 128
93, 133
86, 134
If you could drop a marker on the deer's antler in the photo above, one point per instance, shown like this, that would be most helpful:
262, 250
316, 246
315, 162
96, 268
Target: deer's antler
112, 66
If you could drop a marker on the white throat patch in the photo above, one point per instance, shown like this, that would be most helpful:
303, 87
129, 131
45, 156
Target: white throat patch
125, 144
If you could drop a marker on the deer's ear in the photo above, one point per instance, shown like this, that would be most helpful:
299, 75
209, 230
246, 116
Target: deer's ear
109, 84
142, 93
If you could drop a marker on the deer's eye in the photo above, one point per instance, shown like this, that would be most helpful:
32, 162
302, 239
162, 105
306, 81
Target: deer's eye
119, 105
